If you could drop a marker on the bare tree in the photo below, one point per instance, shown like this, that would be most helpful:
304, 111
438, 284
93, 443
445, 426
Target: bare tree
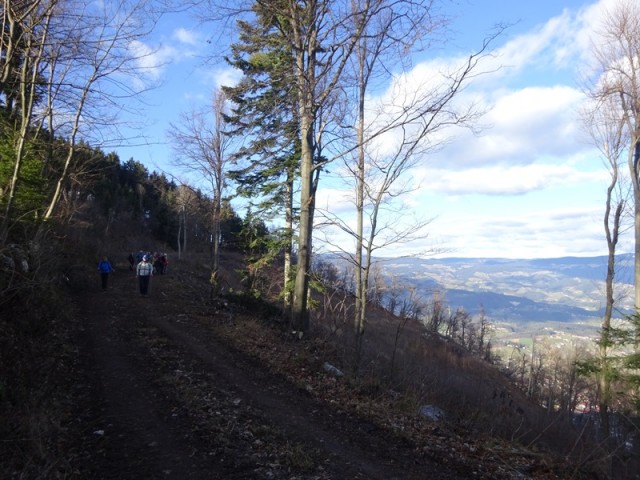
410, 308
390, 35
202, 148
414, 122
322, 37
610, 136
24, 37
483, 335
616, 84
76, 65
536, 369
185, 203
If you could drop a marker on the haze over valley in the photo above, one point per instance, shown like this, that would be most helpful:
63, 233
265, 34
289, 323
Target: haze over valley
558, 297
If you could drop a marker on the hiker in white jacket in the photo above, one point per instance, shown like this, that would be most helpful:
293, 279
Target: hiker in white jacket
144, 270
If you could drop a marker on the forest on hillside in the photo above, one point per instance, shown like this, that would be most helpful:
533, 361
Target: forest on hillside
298, 109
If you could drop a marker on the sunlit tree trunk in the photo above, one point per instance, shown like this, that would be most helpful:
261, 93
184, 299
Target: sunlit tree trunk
304, 38
300, 313
360, 174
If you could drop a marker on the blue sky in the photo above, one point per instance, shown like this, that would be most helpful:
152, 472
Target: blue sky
529, 186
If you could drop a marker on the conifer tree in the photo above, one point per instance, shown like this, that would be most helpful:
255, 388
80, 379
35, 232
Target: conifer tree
264, 113
319, 38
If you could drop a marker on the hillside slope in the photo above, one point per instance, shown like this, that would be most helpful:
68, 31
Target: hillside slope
162, 390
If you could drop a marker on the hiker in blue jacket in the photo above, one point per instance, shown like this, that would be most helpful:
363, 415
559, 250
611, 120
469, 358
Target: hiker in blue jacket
105, 268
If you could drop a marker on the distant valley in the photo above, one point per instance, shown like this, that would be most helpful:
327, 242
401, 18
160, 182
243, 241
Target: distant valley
523, 298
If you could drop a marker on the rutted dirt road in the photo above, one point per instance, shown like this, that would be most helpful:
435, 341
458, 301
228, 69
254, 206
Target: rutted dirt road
160, 396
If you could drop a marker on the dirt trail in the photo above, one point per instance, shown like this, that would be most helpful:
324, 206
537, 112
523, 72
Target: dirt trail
161, 397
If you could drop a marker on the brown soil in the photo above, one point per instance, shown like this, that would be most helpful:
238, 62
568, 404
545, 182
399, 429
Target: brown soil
161, 394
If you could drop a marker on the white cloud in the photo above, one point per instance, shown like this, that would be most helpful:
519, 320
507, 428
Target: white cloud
227, 77
153, 61
187, 37
335, 200
520, 125
220, 76
506, 180
529, 185
526, 234
548, 45
523, 125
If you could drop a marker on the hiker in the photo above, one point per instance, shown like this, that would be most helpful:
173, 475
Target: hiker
156, 263
132, 261
144, 272
165, 262
105, 268
161, 263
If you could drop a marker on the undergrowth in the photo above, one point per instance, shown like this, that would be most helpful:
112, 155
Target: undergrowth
35, 355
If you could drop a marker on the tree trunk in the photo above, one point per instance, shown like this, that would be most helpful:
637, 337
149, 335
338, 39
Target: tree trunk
305, 79
181, 227
289, 240
612, 229
361, 286
635, 176
28, 75
300, 314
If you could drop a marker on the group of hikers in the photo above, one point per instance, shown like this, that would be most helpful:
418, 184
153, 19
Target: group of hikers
145, 264
158, 260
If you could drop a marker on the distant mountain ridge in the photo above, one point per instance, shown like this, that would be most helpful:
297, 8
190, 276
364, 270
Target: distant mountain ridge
567, 289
